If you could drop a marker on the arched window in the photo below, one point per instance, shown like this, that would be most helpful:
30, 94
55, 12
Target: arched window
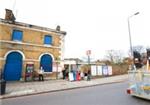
46, 63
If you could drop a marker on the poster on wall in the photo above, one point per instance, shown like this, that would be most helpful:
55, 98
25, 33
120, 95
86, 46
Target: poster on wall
109, 70
93, 70
105, 70
29, 71
99, 70
71, 78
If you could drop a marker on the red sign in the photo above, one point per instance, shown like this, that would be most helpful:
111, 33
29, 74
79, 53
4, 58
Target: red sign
88, 52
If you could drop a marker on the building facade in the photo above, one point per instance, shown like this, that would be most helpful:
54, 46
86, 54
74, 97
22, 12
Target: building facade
22, 44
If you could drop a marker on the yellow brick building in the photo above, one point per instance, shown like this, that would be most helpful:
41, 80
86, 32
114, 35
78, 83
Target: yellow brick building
23, 44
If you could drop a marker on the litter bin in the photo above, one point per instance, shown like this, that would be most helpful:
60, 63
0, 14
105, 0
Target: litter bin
3, 86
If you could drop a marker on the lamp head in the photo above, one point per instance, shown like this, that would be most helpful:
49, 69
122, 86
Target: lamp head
136, 13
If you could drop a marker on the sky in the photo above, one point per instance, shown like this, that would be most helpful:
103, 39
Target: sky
96, 25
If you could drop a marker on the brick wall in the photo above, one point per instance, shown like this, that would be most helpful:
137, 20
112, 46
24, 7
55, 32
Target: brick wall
31, 46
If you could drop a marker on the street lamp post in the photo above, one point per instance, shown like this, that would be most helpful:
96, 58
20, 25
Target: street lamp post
130, 38
89, 65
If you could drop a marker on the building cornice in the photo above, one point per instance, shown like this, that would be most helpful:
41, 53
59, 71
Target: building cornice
31, 27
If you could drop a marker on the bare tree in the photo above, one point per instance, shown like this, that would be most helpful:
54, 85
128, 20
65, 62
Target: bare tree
110, 55
139, 48
118, 58
115, 56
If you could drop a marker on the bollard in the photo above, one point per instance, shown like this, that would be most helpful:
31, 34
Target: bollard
3, 86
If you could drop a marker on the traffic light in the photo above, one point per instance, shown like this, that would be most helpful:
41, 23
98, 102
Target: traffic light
148, 55
137, 59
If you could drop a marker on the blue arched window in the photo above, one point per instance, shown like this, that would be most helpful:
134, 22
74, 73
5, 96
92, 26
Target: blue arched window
46, 63
13, 67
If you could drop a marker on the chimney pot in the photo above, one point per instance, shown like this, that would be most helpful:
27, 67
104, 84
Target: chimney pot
9, 16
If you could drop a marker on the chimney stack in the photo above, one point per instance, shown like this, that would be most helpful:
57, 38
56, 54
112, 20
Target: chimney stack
58, 28
9, 16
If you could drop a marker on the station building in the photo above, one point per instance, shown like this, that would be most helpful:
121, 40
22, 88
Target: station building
22, 44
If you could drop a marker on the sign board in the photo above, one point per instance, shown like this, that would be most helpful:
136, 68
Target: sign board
93, 70
105, 70
29, 71
109, 70
88, 52
99, 70
71, 78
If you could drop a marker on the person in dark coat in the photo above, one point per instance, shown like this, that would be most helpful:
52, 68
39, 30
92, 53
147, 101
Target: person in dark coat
89, 75
64, 73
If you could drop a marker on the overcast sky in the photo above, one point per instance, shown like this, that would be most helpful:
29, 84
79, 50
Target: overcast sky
96, 25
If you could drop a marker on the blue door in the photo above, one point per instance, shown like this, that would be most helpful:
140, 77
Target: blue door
46, 63
13, 67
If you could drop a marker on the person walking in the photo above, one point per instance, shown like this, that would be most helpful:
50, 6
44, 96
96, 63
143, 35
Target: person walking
89, 75
64, 73
82, 75
41, 72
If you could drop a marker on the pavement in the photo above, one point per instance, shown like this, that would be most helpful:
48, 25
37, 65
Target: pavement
17, 89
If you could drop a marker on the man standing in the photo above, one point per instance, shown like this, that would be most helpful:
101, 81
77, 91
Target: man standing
89, 75
41, 72
64, 73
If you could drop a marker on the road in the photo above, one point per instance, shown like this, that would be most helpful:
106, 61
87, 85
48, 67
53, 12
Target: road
110, 94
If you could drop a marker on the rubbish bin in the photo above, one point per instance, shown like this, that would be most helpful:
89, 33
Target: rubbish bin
3, 86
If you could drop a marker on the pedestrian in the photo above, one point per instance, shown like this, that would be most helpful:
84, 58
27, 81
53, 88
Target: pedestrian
89, 75
41, 73
82, 75
64, 73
